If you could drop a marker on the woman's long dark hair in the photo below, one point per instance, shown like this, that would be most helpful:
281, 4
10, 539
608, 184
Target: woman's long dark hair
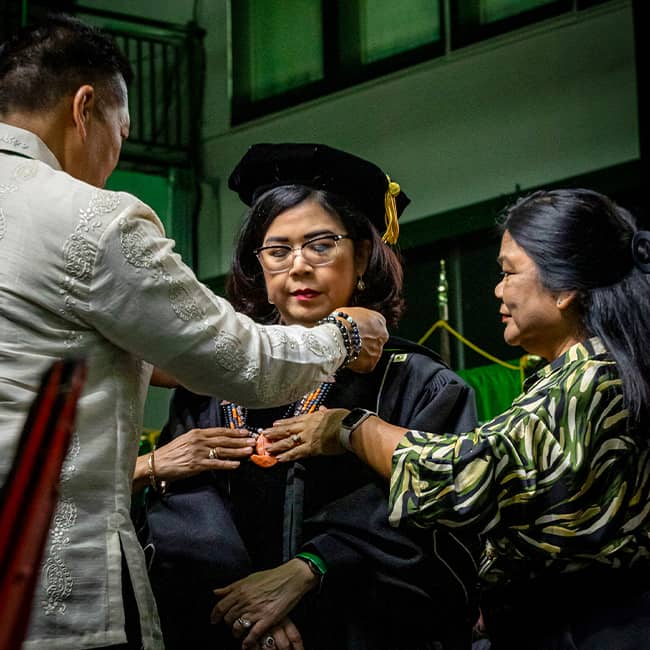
245, 286
581, 241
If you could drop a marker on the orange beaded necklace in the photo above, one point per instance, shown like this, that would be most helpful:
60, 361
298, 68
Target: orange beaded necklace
236, 416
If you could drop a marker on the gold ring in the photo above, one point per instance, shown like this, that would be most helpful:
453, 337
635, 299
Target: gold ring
213, 456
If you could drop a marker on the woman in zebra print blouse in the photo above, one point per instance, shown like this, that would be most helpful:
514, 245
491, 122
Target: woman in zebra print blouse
558, 485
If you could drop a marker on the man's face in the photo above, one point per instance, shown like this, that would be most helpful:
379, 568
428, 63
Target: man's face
106, 130
106, 134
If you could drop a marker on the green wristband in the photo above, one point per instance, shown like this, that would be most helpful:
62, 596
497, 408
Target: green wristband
313, 560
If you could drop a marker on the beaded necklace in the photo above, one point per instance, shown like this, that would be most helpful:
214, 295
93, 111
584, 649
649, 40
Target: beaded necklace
236, 415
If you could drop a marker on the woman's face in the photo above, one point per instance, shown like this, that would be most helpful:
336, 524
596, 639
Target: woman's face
303, 294
535, 318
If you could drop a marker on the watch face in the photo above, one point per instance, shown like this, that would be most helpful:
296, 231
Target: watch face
349, 423
354, 416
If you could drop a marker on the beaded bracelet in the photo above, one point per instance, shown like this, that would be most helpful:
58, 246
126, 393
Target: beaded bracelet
355, 335
347, 341
345, 335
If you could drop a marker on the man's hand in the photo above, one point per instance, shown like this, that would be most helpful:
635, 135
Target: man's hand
372, 328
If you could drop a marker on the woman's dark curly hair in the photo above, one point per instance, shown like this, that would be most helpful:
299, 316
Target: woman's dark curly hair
245, 286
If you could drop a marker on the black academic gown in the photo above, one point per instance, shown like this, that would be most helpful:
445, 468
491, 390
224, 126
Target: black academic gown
385, 589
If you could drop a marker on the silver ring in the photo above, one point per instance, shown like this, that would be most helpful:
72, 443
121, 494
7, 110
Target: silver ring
245, 623
296, 439
269, 642
213, 456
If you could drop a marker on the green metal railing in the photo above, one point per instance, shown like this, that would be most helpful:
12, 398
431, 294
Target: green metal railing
166, 96
165, 99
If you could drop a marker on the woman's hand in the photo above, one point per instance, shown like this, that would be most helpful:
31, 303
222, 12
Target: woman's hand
283, 636
262, 599
311, 434
197, 450
317, 433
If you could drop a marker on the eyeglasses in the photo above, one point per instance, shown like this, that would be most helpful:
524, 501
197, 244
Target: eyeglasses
318, 251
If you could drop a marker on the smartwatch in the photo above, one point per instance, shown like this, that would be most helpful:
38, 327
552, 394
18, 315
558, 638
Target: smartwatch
349, 423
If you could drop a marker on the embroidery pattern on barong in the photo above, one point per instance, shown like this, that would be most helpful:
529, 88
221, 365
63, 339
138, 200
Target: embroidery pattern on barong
134, 406
5, 188
58, 581
134, 247
13, 141
139, 254
78, 256
267, 392
23, 172
315, 345
26, 170
184, 306
279, 337
78, 251
228, 349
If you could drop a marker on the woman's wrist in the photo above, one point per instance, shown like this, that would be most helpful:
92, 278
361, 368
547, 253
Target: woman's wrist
316, 568
140, 478
154, 481
308, 580
350, 423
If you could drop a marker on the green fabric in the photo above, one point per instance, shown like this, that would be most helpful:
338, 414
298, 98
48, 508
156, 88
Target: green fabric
495, 388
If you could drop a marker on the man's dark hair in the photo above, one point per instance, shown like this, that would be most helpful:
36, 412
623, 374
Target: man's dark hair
44, 63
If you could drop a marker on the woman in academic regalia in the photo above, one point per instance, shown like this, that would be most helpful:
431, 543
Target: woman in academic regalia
301, 554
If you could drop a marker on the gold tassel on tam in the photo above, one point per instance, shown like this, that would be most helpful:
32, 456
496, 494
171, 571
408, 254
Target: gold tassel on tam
392, 226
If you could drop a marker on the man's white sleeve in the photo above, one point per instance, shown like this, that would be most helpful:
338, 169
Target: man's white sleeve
145, 300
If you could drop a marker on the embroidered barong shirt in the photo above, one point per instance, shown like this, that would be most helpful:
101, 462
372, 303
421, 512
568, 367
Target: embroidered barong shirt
89, 273
559, 482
